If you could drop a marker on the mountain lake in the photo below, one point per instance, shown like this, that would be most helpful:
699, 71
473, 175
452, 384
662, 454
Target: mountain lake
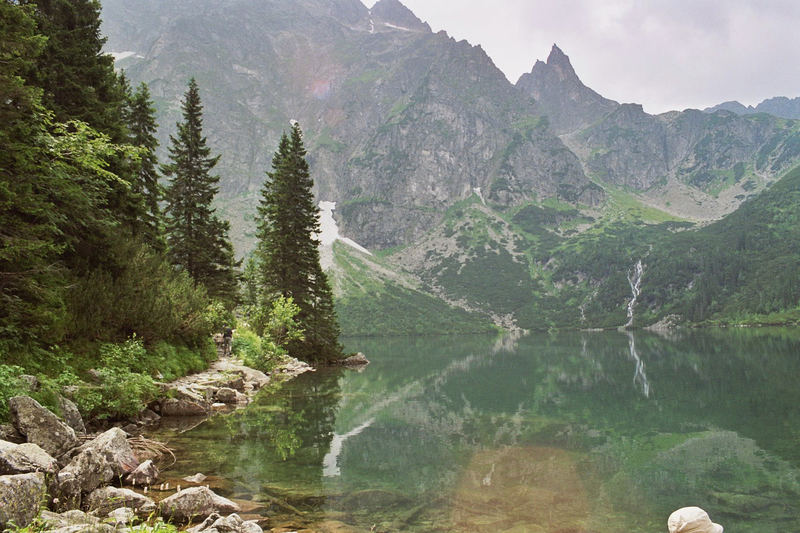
567, 432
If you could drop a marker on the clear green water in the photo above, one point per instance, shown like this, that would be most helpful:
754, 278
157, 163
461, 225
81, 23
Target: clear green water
575, 432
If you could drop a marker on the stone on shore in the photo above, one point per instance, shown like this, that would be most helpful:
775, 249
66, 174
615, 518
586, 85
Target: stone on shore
106, 499
25, 458
226, 395
195, 502
358, 359
227, 524
40, 426
183, 407
144, 474
97, 463
21, 496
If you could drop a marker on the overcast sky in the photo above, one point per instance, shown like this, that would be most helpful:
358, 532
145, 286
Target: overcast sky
665, 54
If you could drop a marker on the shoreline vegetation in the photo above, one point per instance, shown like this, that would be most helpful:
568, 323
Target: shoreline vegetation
70, 481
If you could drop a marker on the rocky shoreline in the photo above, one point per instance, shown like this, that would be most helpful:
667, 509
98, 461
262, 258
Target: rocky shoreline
51, 471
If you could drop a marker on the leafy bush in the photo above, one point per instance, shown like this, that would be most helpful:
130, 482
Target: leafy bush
10, 386
119, 394
280, 328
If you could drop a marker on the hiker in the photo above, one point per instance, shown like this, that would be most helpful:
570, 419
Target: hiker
227, 338
691, 520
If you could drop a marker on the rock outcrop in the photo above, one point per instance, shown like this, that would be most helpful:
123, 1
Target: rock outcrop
40, 426
227, 524
144, 474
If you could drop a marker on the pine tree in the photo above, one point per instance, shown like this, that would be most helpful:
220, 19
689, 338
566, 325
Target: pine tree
144, 185
198, 241
288, 252
78, 79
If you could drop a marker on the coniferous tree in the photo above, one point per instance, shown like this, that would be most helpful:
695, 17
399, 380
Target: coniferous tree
198, 240
144, 185
288, 252
78, 79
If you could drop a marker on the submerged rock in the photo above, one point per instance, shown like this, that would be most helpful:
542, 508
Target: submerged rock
195, 502
25, 458
21, 496
40, 426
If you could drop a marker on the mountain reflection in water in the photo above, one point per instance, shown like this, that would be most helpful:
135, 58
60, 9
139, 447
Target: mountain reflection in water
575, 432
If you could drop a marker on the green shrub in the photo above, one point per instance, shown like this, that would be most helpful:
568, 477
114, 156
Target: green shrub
119, 394
10, 386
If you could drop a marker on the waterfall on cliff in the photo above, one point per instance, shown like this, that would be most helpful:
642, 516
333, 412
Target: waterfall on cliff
635, 281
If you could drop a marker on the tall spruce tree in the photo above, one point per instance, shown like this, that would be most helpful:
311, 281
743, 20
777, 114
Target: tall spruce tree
288, 252
198, 240
144, 184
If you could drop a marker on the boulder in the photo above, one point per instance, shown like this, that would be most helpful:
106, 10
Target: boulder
144, 474
40, 426
9, 433
122, 516
71, 415
255, 378
235, 382
182, 407
73, 520
30, 382
147, 417
21, 496
25, 458
197, 478
97, 462
358, 359
226, 524
226, 395
106, 499
195, 502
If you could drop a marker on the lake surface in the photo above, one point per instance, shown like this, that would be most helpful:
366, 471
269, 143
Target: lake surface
573, 432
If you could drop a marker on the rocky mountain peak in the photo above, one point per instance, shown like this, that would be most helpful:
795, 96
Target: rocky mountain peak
559, 62
561, 95
393, 14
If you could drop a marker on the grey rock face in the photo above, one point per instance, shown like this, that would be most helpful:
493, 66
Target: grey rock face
400, 123
106, 499
40, 426
562, 96
25, 458
21, 496
10, 434
71, 415
195, 502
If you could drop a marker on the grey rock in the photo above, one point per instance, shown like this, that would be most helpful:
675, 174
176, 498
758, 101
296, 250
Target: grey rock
182, 407
122, 516
68, 519
10, 434
226, 395
25, 458
358, 359
106, 499
71, 415
236, 383
226, 524
197, 478
40, 426
31, 382
21, 497
144, 474
195, 502
96, 463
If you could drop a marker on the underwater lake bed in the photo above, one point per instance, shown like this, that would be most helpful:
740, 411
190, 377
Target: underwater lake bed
569, 432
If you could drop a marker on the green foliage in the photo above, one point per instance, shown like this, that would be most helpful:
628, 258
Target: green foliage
288, 255
217, 316
278, 329
198, 240
10, 386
